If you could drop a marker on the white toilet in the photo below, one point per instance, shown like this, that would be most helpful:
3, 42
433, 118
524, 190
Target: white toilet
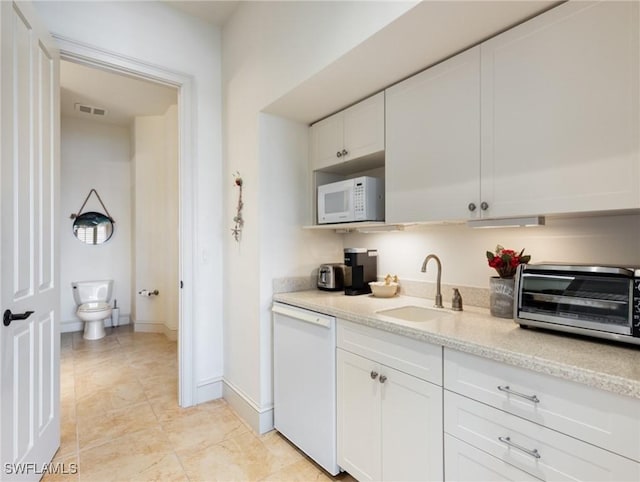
92, 299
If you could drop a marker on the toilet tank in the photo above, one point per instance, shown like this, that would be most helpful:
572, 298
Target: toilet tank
88, 291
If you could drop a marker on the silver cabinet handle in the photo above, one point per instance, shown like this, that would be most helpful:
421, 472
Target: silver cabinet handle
383, 379
484, 206
338, 154
344, 152
507, 441
507, 389
471, 207
373, 375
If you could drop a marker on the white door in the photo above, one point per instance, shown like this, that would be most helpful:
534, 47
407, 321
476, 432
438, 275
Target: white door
433, 143
363, 128
560, 112
327, 142
29, 348
358, 416
411, 427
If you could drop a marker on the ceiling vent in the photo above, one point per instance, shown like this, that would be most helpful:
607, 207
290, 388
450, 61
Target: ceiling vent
88, 109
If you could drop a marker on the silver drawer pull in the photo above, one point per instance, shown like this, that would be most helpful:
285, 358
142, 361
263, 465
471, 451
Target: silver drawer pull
507, 441
506, 389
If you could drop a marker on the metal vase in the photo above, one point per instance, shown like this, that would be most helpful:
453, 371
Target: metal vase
501, 295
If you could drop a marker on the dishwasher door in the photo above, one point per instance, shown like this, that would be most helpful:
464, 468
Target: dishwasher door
304, 382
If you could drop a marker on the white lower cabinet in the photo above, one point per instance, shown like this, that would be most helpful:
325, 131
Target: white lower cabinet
532, 448
410, 411
389, 422
463, 461
546, 427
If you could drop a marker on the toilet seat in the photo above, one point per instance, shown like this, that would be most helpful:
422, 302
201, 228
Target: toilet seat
93, 307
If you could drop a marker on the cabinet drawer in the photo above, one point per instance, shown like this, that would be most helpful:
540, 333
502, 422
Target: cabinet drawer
414, 357
539, 451
465, 463
602, 418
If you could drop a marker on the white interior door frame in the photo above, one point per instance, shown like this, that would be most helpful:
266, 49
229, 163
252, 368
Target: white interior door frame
89, 55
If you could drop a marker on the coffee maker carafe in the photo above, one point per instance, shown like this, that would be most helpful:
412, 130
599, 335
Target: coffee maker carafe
361, 268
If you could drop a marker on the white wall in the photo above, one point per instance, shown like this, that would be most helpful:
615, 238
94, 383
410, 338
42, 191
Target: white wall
94, 155
155, 33
285, 248
155, 222
269, 49
613, 239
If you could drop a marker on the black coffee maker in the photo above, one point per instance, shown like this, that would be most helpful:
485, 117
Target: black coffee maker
361, 268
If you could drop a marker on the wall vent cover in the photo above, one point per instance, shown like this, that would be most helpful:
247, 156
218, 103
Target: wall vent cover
89, 109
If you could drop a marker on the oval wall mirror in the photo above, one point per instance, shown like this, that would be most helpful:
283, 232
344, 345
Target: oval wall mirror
93, 228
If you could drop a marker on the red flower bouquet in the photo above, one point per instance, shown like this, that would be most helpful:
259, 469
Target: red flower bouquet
506, 261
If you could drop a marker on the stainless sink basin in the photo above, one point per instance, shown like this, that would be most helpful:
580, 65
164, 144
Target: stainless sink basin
414, 313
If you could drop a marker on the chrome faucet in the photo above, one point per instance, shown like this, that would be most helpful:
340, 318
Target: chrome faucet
438, 286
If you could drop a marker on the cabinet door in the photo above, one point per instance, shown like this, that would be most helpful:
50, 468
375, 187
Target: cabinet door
560, 112
358, 414
432, 157
411, 427
364, 128
326, 142
465, 463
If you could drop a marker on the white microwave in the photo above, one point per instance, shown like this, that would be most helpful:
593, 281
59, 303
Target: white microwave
358, 199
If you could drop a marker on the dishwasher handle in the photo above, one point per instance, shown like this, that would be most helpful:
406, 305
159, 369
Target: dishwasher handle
303, 315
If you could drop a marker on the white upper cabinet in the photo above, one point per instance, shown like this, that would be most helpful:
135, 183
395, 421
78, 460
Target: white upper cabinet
541, 119
560, 112
432, 165
349, 135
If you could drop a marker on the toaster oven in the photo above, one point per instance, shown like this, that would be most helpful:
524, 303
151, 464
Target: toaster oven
599, 301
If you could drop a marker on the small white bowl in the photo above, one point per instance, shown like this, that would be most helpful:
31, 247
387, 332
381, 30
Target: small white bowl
382, 290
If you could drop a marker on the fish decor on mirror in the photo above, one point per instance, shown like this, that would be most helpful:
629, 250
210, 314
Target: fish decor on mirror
236, 231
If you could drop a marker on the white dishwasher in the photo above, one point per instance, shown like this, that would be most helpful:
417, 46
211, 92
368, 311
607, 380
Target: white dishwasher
304, 381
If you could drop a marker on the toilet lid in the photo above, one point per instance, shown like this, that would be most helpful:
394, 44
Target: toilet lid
94, 306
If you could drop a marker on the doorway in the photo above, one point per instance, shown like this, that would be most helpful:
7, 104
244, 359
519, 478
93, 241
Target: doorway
97, 58
119, 157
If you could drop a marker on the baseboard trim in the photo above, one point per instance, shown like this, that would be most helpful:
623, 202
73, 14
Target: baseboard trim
259, 419
148, 327
171, 334
207, 390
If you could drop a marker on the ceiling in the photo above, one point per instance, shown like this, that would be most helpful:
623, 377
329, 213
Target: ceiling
215, 12
123, 97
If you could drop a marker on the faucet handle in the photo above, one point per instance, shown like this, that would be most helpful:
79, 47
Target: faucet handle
456, 300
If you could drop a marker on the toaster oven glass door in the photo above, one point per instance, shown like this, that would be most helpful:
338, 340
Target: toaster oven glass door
587, 301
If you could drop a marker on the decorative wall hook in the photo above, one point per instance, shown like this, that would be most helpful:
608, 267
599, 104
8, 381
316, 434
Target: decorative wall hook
93, 191
236, 231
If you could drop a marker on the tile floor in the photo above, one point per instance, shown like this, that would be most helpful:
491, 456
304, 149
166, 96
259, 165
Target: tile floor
121, 421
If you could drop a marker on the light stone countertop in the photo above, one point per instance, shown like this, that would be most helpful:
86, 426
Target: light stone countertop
614, 367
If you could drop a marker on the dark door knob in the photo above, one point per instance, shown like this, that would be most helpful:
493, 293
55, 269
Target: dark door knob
8, 317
